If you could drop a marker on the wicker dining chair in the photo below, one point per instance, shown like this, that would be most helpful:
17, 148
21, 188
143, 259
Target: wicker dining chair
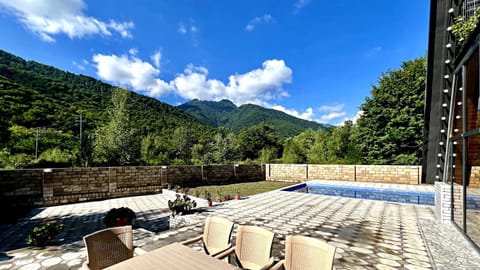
107, 247
253, 248
216, 235
306, 253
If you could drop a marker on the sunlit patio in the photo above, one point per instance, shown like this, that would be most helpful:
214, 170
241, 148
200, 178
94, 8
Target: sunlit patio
367, 234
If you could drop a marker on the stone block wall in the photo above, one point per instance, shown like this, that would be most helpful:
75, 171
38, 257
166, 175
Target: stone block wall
388, 174
36, 187
443, 202
332, 172
360, 173
287, 172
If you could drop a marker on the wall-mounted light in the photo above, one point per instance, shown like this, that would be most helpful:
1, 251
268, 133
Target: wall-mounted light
449, 28
439, 154
459, 103
442, 130
48, 170
441, 143
457, 117
449, 45
443, 118
445, 90
438, 165
451, 10
455, 130
444, 105
446, 76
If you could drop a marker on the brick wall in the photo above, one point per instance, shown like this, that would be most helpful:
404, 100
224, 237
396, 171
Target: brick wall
35, 187
359, 173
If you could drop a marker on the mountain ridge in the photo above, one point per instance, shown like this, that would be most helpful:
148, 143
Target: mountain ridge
226, 114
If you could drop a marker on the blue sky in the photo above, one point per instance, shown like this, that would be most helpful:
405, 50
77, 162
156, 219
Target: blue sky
314, 59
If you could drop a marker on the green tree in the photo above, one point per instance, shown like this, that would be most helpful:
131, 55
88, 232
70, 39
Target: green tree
224, 148
154, 150
183, 141
295, 149
390, 130
117, 142
252, 140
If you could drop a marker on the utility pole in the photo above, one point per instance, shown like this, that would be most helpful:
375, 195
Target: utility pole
81, 121
36, 143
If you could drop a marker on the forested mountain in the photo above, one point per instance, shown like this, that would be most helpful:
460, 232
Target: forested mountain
225, 114
42, 103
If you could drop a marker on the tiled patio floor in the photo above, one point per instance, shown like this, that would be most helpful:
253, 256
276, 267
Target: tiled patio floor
368, 234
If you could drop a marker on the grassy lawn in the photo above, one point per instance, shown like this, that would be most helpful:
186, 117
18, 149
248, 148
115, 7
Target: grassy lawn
244, 189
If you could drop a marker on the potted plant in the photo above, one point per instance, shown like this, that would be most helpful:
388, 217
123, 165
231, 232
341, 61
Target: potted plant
181, 205
208, 196
39, 235
237, 194
119, 217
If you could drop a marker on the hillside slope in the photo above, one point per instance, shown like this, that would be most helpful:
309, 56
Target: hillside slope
225, 114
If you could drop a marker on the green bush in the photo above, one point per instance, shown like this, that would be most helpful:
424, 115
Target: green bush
41, 234
181, 205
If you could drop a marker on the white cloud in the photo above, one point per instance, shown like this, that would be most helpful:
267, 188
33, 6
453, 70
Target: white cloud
256, 86
130, 71
373, 52
133, 51
330, 116
190, 31
47, 18
258, 20
156, 58
306, 115
334, 108
79, 66
331, 112
299, 5
182, 29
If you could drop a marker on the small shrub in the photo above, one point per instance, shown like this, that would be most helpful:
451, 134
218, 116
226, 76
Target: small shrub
39, 235
181, 205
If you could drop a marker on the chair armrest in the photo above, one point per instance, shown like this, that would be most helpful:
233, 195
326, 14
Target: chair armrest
268, 265
139, 251
279, 265
218, 252
192, 240
224, 254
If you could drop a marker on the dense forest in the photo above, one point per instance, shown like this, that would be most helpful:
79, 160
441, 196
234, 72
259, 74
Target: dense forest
53, 118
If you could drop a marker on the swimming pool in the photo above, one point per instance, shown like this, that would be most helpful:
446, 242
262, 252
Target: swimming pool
390, 195
401, 196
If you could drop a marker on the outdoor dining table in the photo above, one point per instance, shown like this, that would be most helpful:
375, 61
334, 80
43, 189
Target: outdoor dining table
174, 256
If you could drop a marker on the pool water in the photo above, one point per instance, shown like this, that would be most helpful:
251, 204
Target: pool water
401, 196
389, 195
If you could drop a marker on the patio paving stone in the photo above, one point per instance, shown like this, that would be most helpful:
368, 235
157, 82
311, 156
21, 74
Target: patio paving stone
368, 234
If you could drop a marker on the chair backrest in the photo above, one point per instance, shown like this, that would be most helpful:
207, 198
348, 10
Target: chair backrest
109, 246
305, 253
216, 235
253, 247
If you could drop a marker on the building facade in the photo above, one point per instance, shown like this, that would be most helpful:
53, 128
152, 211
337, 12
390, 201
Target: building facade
452, 114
